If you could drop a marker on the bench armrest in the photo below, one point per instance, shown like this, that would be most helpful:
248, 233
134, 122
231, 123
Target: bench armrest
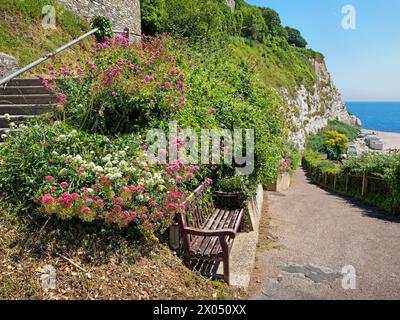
211, 233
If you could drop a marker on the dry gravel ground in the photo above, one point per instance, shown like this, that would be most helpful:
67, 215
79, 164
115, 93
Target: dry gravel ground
92, 264
312, 234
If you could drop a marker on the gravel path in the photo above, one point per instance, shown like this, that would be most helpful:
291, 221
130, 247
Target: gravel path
315, 235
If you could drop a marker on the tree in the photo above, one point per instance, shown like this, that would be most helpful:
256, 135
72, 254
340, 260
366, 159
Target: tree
273, 22
336, 144
295, 38
254, 26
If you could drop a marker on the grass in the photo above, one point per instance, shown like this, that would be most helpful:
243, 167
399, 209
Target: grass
23, 36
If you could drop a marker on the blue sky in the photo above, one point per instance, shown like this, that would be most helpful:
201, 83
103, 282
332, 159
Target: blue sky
364, 63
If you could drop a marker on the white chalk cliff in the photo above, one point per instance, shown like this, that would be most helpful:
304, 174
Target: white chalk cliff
312, 109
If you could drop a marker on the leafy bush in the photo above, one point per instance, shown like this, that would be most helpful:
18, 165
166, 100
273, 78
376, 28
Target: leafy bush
336, 144
105, 28
313, 159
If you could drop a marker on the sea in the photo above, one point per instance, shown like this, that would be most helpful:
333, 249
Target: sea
379, 116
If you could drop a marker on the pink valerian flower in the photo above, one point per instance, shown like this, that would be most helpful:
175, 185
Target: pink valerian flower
64, 184
180, 85
98, 202
160, 214
143, 217
53, 188
86, 210
47, 199
61, 97
189, 176
60, 107
153, 204
92, 67
50, 179
66, 200
75, 196
117, 200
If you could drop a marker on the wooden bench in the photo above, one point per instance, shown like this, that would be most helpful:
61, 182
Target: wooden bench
208, 232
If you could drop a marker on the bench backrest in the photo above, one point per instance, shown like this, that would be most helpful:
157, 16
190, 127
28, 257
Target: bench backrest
197, 208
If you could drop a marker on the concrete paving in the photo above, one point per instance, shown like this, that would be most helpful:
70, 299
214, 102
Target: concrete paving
319, 238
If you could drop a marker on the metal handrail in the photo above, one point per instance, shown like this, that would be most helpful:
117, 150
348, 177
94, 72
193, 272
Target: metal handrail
52, 54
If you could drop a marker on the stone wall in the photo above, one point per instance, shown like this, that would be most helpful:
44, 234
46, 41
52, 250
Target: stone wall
123, 13
8, 65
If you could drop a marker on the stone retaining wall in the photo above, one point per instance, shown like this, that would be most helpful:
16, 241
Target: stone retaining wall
123, 13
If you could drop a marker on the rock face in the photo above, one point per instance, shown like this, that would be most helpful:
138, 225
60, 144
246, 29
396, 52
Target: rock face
311, 109
8, 65
123, 13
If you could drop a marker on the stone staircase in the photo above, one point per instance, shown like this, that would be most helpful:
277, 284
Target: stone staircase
22, 99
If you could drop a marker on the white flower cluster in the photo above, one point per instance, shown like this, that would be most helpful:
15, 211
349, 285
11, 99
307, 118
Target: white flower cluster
113, 166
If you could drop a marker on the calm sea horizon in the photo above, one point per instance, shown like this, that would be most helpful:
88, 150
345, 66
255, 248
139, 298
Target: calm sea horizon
377, 115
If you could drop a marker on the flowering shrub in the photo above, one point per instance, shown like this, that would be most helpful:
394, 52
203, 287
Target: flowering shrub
284, 165
126, 87
92, 178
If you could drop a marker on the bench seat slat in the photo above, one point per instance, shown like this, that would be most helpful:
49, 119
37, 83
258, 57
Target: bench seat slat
209, 247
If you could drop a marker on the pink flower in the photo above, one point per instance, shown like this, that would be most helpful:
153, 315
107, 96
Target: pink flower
143, 217
75, 196
98, 202
189, 175
60, 107
153, 203
47, 199
53, 188
212, 110
50, 179
117, 208
61, 97
65, 200
180, 85
64, 184
117, 200
92, 67
86, 210
160, 214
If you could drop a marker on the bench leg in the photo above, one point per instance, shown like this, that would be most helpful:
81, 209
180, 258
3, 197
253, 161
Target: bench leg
226, 268
225, 250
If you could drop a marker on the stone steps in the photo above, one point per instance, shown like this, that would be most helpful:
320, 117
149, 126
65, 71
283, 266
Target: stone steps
21, 99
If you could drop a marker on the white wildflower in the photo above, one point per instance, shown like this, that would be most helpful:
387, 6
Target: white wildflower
7, 117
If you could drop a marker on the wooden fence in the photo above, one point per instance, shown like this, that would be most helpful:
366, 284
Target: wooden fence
373, 190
